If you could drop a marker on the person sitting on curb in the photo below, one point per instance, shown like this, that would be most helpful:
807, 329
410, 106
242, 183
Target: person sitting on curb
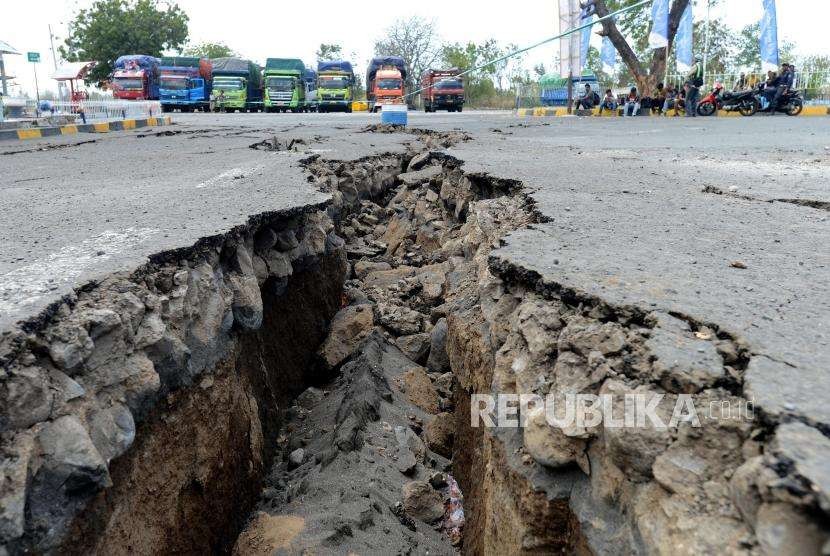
741, 83
632, 103
588, 100
670, 101
608, 103
659, 99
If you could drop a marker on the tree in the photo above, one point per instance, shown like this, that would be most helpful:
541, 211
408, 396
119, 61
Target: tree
635, 24
722, 46
329, 52
416, 41
209, 50
748, 49
112, 28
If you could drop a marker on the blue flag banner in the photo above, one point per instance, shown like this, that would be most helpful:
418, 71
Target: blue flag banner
609, 56
585, 43
659, 35
683, 41
769, 37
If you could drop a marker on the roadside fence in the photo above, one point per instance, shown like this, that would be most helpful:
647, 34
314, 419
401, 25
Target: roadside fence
87, 111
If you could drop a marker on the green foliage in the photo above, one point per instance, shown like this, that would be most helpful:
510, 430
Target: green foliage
748, 47
416, 41
329, 52
722, 44
112, 28
209, 50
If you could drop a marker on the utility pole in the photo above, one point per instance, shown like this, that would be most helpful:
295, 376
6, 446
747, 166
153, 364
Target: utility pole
706, 43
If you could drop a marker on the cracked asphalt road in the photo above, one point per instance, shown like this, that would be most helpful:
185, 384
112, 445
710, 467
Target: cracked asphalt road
636, 217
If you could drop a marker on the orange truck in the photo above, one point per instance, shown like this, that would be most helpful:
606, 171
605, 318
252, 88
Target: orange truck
385, 81
442, 90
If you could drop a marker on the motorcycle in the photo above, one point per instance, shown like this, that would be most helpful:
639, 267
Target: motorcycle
791, 103
729, 101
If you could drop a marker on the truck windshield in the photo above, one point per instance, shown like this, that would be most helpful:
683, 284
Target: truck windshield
128, 83
228, 83
334, 83
174, 83
449, 84
388, 84
281, 83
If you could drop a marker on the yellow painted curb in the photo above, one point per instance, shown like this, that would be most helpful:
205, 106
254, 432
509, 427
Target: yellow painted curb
360, 106
152, 121
101, 128
129, 124
815, 111
28, 134
69, 129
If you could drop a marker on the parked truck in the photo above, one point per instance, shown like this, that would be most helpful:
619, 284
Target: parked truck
185, 83
335, 85
237, 85
312, 99
442, 90
385, 81
136, 77
285, 86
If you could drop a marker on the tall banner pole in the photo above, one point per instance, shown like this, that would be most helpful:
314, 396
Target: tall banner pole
769, 37
706, 43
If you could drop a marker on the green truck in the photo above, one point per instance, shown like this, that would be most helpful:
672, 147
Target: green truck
237, 85
335, 85
285, 88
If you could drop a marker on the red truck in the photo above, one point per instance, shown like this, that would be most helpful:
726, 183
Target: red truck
442, 90
136, 77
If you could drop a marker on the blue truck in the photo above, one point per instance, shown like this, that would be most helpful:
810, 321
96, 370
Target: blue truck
312, 100
186, 83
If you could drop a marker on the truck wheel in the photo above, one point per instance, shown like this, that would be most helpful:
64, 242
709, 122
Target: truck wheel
349, 109
459, 109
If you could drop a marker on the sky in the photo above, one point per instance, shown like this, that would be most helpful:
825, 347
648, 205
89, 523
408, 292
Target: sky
263, 29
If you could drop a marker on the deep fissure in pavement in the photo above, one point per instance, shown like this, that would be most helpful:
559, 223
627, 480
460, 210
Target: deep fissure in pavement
305, 382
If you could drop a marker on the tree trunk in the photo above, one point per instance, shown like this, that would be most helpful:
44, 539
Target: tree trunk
646, 80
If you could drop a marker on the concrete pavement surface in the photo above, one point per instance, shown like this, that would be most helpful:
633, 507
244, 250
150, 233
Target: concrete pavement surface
650, 213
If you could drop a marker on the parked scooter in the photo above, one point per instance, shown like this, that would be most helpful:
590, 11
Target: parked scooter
729, 101
791, 103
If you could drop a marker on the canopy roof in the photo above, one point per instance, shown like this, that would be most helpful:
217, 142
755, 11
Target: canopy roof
72, 70
6, 48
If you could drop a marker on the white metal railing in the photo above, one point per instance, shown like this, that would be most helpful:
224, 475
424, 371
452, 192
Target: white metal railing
97, 110
90, 110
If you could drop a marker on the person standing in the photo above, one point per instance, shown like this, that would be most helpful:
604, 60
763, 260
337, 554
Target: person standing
695, 81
